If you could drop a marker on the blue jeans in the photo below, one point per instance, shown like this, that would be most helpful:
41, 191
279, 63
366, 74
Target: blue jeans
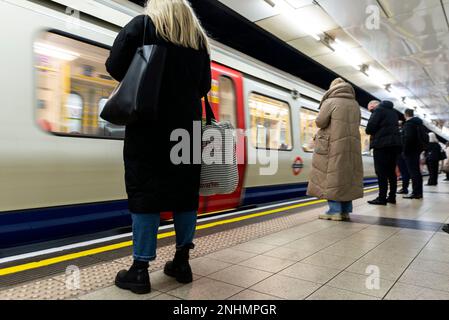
337, 207
145, 229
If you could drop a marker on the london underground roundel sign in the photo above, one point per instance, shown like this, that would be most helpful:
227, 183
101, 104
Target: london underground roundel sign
297, 166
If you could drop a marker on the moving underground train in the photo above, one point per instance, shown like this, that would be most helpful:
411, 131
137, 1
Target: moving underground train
61, 170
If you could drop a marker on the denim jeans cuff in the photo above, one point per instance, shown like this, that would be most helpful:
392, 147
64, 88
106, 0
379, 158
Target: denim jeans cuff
190, 246
144, 259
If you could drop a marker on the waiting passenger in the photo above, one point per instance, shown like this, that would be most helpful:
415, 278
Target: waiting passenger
414, 142
446, 163
405, 175
154, 184
337, 167
433, 158
386, 144
373, 105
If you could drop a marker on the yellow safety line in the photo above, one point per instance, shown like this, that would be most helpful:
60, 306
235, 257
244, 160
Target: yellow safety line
85, 253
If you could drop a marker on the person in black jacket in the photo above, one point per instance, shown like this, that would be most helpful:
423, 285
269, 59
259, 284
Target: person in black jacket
386, 141
433, 156
405, 175
414, 142
153, 182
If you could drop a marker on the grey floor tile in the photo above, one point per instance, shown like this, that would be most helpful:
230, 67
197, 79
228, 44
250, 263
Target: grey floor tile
254, 247
387, 271
289, 254
231, 255
426, 279
432, 254
330, 293
328, 260
361, 284
286, 287
205, 266
253, 295
430, 266
385, 257
240, 276
266, 263
205, 289
165, 296
164, 283
276, 239
402, 291
310, 244
346, 251
310, 272
114, 293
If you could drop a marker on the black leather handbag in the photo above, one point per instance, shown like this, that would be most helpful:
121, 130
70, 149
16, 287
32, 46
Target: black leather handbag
137, 96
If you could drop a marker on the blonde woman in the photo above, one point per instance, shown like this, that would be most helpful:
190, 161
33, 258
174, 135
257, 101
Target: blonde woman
337, 167
153, 182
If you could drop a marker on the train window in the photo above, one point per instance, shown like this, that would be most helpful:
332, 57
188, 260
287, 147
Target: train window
270, 123
366, 150
74, 112
308, 129
227, 100
72, 83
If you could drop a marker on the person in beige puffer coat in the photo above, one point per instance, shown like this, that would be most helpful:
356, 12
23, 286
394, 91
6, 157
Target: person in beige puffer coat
337, 166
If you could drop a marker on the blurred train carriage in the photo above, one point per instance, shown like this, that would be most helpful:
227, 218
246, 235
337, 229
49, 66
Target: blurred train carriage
61, 165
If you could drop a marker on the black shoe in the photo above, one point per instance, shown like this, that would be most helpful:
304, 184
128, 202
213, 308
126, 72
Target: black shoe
136, 279
402, 191
180, 268
391, 201
412, 196
446, 228
378, 202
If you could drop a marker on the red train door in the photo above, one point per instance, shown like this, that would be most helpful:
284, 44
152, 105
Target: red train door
226, 98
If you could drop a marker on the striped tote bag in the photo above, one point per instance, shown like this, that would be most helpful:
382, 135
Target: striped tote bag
219, 170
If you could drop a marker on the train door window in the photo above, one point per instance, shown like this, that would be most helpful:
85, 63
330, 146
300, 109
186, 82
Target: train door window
227, 100
308, 129
270, 123
74, 112
71, 86
366, 150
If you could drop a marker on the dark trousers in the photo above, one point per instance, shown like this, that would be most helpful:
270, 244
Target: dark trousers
404, 173
385, 160
412, 161
434, 167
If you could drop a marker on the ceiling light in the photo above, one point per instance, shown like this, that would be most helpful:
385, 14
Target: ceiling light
346, 53
304, 23
377, 77
55, 52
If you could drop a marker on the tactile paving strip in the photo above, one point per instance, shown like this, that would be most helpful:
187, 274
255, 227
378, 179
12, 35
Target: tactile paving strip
102, 275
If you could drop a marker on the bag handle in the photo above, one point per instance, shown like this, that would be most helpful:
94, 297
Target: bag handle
145, 29
209, 112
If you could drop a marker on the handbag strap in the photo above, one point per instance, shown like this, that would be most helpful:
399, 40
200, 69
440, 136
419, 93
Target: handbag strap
209, 112
145, 27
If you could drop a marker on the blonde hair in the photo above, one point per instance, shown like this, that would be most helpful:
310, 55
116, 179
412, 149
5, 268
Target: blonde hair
337, 82
176, 22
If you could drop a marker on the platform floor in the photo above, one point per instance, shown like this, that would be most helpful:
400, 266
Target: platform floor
297, 257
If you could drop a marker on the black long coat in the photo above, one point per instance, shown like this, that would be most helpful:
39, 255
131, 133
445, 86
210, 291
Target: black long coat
153, 183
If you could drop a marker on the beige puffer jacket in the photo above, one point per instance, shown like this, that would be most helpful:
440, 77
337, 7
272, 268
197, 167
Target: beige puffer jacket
337, 172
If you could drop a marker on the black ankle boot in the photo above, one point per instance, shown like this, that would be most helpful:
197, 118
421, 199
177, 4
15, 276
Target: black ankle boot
180, 268
136, 279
